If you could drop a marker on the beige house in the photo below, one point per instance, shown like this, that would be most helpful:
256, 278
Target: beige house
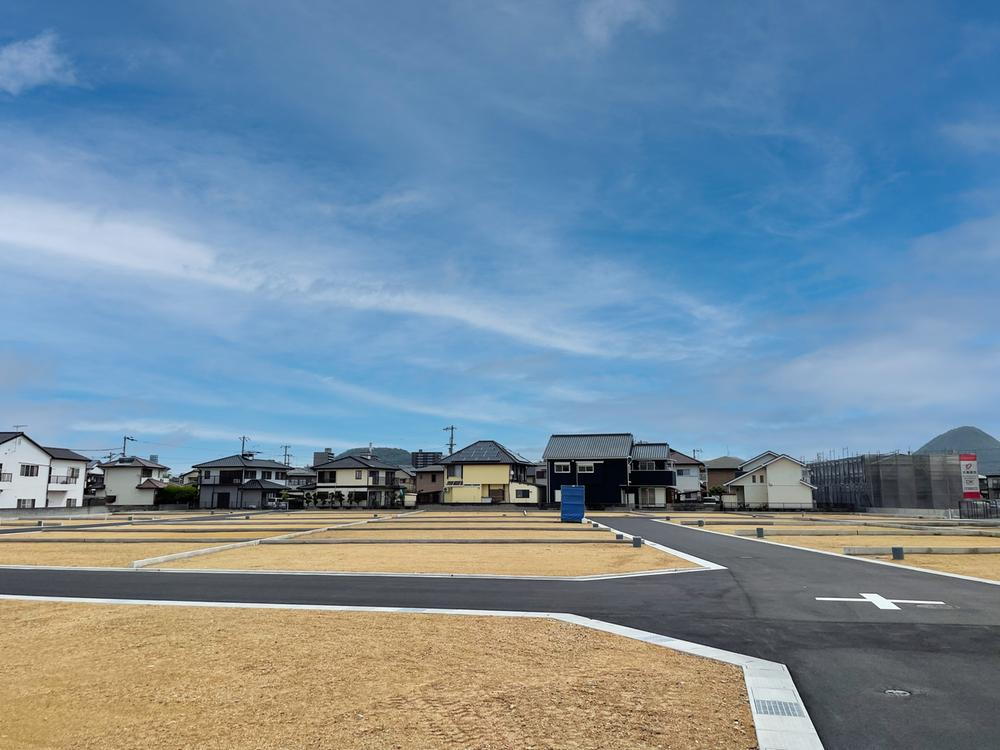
359, 480
486, 472
774, 481
132, 481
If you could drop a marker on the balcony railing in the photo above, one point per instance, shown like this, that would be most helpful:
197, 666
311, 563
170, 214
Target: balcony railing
59, 479
6, 477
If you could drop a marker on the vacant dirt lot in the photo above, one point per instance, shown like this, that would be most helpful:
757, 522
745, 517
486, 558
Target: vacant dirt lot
84, 554
97, 677
495, 559
500, 532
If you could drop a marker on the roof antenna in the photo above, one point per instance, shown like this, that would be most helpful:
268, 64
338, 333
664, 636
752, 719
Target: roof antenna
19, 427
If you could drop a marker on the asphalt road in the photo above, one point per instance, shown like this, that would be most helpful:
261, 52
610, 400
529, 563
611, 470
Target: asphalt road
842, 655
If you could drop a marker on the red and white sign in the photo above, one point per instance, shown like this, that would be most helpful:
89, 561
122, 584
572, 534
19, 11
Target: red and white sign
970, 476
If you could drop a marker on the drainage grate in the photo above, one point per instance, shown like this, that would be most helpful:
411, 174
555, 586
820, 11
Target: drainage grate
778, 708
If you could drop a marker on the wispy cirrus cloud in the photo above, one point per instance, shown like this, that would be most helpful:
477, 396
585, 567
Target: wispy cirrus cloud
602, 20
34, 62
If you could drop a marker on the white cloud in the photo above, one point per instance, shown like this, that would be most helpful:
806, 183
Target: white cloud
978, 136
183, 429
602, 20
34, 62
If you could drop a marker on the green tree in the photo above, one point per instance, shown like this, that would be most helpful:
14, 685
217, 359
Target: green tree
177, 494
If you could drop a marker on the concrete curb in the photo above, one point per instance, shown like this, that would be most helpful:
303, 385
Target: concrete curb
704, 564
923, 550
278, 540
781, 720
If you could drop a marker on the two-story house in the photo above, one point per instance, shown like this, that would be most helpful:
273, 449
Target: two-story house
771, 480
429, 483
240, 481
132, 481
612, 467
301, 477
360, 480
691, 475
36, 476
486, 472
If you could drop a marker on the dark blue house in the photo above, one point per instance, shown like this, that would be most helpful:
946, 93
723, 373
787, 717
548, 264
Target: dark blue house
613, 467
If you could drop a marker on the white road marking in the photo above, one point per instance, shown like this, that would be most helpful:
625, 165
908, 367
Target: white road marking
877, 599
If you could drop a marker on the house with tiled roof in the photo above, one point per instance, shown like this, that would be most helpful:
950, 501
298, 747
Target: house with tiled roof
37, 476
240, 481
613, 468
359, 480
770, 481
485, 472
132, 481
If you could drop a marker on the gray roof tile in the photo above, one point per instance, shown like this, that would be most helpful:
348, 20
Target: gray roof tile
484, 452
598, 445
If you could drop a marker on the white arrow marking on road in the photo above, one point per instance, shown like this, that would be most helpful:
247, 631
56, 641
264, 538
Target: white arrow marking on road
877, 599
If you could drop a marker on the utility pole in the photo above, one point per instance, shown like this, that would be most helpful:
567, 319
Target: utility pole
243, 443
695, 452
110, 455
288, 456
451, 440
125, 440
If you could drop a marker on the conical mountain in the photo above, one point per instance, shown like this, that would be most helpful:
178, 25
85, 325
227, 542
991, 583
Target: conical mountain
968, 440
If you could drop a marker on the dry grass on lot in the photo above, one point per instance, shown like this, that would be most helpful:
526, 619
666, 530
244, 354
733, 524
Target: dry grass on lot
374, 532
124, 536
980, 566
791, 529
86, 555
20, 523
837, 543
95, 677
495, 559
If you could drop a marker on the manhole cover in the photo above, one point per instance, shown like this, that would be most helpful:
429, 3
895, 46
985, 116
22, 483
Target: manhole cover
897, 693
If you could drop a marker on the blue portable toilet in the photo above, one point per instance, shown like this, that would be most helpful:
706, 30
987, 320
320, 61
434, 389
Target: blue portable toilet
573, 503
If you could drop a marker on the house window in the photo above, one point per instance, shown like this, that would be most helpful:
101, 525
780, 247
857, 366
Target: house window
265, 475
561, 469
522, 493
71, 502
761, 480
147, 472
281, 475
250, 474
206, 474
753, 479
74, 472
357, 474
373, 477
434, 477
585, 468
26, 502
28, 470
455, 471
645, 466
539, 473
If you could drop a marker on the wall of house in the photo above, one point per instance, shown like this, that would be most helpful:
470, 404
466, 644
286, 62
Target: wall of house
754, 492
430, 481
347, 478
784, 487
13, 454
718, 477
688, 478
59, 495
121, 481
533, 491
464, 493
603, 486
486, 473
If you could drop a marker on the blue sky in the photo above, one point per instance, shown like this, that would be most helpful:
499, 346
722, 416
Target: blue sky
733, 226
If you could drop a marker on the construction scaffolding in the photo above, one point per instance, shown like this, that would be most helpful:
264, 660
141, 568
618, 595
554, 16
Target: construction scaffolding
888, 480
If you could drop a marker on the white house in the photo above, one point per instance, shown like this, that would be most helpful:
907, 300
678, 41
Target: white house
771, 480
132, 481
688, 485
35, 476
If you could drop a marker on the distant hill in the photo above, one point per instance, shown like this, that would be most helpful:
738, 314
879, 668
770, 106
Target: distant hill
395, 456
968, 440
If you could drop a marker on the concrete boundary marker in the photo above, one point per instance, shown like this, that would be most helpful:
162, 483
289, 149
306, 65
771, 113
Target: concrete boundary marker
766, 681
705, 564
212, 550
910, 568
